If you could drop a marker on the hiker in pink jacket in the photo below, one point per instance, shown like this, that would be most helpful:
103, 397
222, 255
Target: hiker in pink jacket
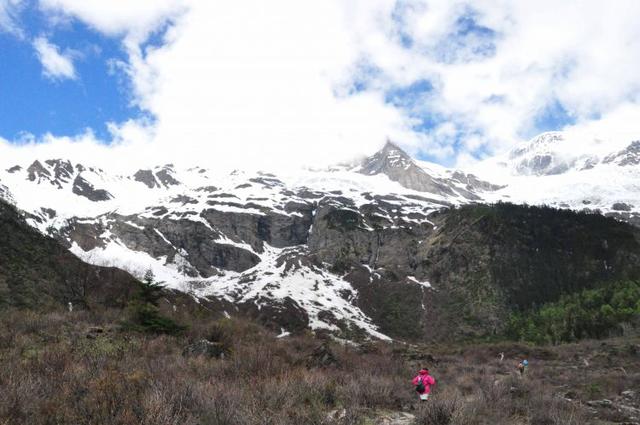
423, 382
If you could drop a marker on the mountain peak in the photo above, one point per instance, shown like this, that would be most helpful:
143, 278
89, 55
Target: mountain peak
390, 146
398, 166
388, 158
539, 156
539, 144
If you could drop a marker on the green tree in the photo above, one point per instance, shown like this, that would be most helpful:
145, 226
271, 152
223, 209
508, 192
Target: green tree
146, 317
591, 313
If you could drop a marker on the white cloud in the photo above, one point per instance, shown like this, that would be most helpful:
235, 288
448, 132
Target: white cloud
118, 17
8, 11
293, 81
55, 65
254, 82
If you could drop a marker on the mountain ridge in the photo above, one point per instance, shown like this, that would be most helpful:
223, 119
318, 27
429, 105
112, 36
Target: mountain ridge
336, 250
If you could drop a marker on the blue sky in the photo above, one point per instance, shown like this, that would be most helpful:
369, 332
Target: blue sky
450, 81
36, 104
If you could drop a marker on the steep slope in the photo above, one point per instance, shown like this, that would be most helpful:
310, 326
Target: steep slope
245, 238
394, 247
37, 271
400, 167
464, 275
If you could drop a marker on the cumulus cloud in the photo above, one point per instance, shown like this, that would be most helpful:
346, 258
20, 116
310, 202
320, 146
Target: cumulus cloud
293, 82
55, 65
247, 81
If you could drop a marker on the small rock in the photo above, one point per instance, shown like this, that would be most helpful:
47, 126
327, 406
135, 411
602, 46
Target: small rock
396, 418
205, 348
322, 356
94, 331
337, 415
600, 403
571, 395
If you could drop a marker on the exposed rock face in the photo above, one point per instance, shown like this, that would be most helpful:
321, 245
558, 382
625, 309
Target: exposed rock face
82, 187
458, 272
37, 172
627, 157
538, 156
147, 177
332, 252
488, 260
162, 178
279, 314
398, 166
173, 239
62, 171
621, 206
473, 183
4, 192
165, 176
482, 260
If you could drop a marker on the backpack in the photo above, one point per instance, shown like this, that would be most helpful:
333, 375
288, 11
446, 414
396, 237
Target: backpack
420, 387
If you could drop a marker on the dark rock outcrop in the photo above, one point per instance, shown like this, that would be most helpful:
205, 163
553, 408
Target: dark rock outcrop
83, 188
37, 171
398, 166
322, 356
621, 206
62, 171
147, 178
165, 176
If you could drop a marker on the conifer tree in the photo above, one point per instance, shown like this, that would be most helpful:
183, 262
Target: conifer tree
146, 316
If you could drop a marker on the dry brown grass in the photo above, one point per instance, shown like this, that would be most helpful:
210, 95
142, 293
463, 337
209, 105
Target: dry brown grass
53, 374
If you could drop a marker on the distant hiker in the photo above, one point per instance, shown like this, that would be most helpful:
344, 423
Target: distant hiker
521, 368
70, 307
525, 363
423, 382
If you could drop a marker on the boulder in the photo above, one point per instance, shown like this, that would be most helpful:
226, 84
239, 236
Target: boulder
206, 348
322, 356
94, 331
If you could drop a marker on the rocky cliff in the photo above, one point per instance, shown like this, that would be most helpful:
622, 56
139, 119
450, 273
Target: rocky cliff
390, 248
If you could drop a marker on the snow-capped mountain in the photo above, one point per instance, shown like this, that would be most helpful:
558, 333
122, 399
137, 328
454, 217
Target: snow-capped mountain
244, 237
552, 170
288, 241
541, 157
400, 167
627, 157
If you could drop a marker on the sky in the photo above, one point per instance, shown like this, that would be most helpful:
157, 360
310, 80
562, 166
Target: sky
307, 82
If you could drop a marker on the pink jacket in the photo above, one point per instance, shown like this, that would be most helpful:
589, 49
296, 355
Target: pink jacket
427, 381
